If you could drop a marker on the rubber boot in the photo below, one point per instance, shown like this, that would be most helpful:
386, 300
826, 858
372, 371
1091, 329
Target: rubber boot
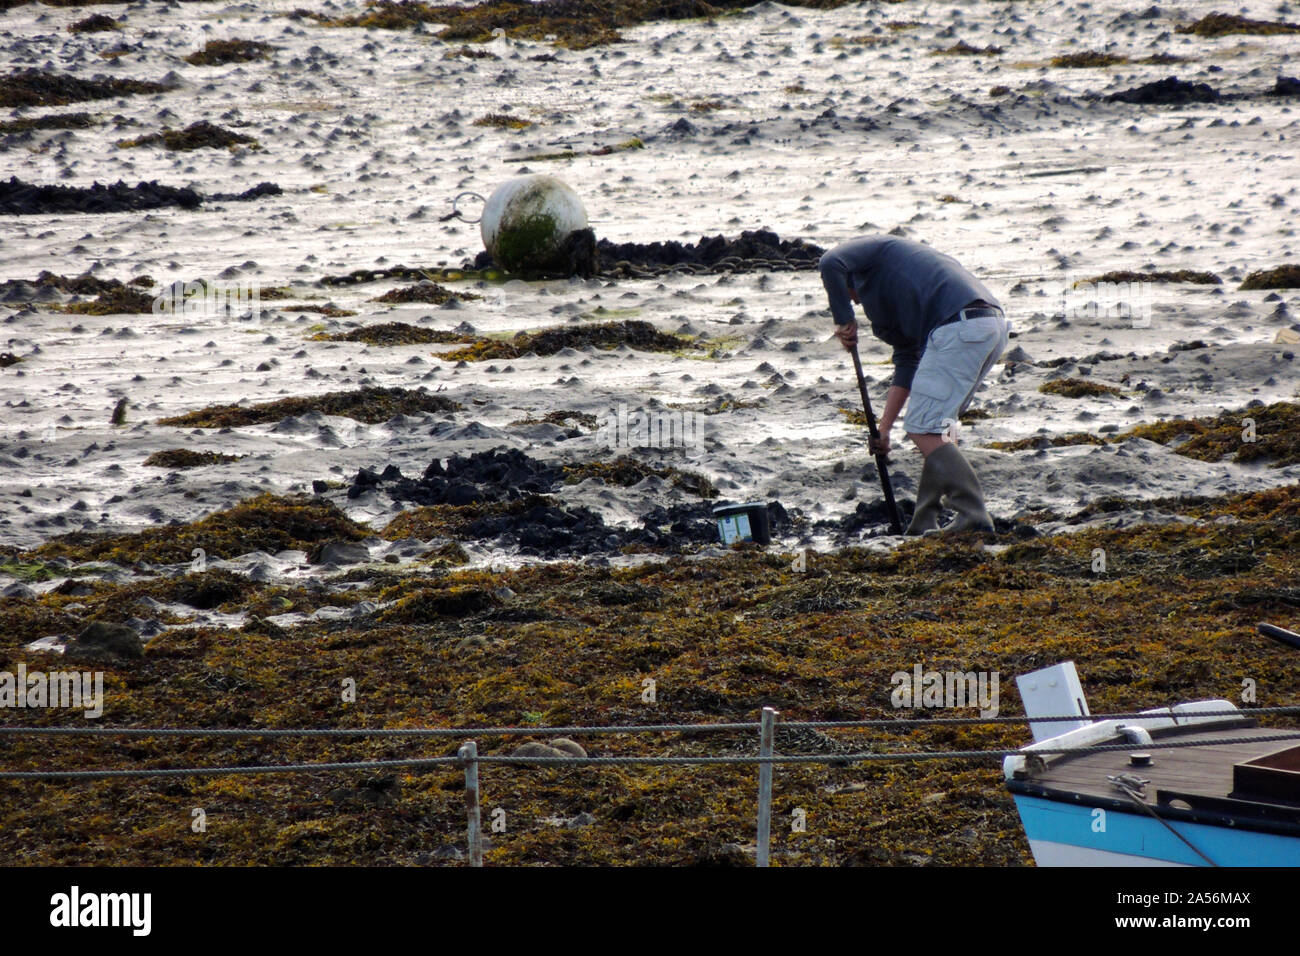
957, 481
928, 492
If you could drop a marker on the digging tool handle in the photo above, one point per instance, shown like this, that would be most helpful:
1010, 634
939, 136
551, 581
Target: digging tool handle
895, 522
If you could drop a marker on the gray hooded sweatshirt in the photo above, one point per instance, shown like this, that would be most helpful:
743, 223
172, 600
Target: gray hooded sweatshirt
906, 289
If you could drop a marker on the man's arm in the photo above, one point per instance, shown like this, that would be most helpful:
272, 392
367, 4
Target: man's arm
835, 268
906, 359
894, 402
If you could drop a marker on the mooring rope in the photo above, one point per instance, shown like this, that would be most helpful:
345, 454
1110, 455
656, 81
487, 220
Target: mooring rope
567, 761
879, 723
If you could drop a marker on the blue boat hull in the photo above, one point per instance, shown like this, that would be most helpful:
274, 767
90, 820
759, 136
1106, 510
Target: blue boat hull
1066, 834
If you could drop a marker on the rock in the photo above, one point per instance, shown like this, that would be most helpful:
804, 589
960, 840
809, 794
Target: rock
537, 750
340, 553
581, 820
100, 640
566, 746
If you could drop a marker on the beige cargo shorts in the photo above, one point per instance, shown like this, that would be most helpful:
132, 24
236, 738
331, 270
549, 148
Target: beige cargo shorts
957, 356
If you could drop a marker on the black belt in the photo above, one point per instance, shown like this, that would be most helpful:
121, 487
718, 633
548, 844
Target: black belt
970, 312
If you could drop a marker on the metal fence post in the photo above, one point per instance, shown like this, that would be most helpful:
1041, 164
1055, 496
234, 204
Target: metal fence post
469, 753
767, 734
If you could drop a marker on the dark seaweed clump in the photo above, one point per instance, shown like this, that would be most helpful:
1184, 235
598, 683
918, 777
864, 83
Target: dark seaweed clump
1077, 388
576, 24
96, 23
1170, 91
759, 249
187, 458
633, 333
369, 405
18, 198
1087, 58
8, 358
1280, 277
1223, 24
426, 291
51, 121
41, 88
1180, 275
268, 523
200, 135
396, 333
113, 297
217, 52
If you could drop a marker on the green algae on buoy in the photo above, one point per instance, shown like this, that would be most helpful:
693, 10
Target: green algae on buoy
530, 224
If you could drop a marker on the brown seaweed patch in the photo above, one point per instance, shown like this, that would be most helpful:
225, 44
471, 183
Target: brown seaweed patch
426, 291
1223, 24
51, 121
561, 416
962, 48
503, 121
1180, 275
454, 521
218, 52
268, 522
8, 358
1077, 388
1272, 434
44, 88
187, 458
120, 300
370, 405
422, 605
200, 135
1087, 58
635, 334
395, 333
1279, 277
96, 23
626, 472
608, 150
575, 24
329, 311
1044, 441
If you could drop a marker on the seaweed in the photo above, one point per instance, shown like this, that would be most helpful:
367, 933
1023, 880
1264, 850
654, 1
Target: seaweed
200, 135
44, 88
395, 333
426, 291
625, 472
96, 23
218, 52
266, 523
187, 458
50, 121
1274, 436
1223, 24
503, 121
370, 405
962, 48
8, 358
1077, 388
1180, 275
605, 335
1087, 58
1279, 277
122, 300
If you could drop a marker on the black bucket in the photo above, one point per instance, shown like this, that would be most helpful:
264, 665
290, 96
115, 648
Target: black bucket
747, 522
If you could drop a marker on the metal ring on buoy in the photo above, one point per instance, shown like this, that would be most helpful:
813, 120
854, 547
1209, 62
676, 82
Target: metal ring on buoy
455, 206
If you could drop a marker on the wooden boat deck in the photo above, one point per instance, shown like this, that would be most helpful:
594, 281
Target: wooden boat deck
1198, 780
